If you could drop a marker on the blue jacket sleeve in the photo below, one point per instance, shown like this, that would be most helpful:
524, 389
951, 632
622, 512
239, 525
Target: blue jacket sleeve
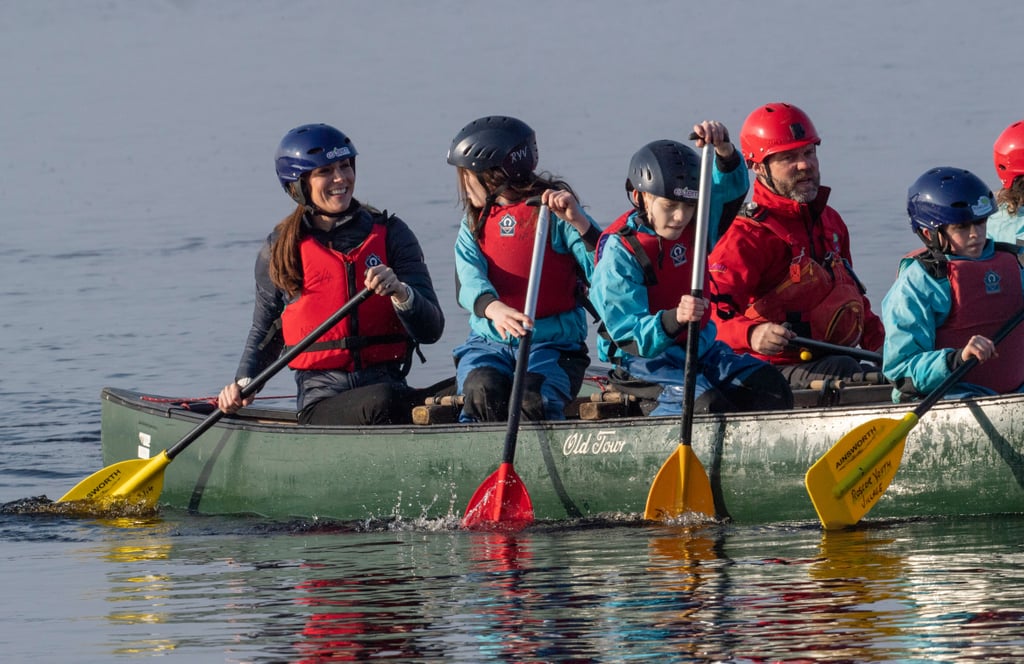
913, 309
729, 184
620, 298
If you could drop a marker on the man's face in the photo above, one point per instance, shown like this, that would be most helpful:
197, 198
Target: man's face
794, 173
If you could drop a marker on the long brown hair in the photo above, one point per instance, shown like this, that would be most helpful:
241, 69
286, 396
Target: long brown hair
1013, 197
285, 259
495, 180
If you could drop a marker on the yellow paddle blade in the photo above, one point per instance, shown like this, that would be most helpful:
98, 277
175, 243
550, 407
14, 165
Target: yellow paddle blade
680, 486
847, 481
136, 481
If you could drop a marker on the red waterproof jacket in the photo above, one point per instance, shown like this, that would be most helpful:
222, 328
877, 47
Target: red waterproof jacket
762, 250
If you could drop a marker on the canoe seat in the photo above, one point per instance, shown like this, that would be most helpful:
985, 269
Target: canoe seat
824, 394
445, 409
608, 404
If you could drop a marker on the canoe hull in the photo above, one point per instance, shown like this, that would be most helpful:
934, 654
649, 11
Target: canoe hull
962, 458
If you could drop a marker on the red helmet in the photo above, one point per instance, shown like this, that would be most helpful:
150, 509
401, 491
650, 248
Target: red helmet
1008, 153
773, 128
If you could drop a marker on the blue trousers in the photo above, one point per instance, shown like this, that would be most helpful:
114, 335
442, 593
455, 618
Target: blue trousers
556, 380
720, 368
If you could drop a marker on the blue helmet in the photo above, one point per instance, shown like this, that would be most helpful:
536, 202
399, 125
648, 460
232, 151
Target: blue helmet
947, 195
306, 148
667, 169
496, 141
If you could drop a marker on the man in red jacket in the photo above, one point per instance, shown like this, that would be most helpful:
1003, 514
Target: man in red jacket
783, 267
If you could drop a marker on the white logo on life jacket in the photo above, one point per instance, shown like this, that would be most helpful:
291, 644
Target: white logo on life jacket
373, 260
992, 282
507, 226
678, 255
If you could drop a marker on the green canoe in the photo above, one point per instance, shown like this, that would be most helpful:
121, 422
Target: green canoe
965, 457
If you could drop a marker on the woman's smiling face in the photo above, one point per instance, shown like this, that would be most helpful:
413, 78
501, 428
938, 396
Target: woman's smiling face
331, 186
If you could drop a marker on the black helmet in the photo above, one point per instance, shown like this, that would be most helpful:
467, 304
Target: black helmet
496, 141
665, 168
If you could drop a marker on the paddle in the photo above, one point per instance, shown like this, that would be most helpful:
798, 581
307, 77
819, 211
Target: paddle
847, 481
501, 501
835, 349
681, 484
139, 481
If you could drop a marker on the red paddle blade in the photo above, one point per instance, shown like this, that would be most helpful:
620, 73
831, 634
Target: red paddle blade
499, 503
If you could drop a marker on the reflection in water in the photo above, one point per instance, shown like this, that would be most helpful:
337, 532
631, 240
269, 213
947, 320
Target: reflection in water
889, 592
139, 591
358, 618
506, 602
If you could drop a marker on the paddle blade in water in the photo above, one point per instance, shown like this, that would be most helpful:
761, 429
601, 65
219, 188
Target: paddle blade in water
847, 481
136, 481
499, 503
680, 486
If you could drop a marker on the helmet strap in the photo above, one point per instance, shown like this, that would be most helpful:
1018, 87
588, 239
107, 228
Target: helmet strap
492, 196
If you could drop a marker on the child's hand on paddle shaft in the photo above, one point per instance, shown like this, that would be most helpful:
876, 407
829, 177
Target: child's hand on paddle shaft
690, 309
564, 205
979, 347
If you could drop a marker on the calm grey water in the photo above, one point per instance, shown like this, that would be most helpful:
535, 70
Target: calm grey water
137, 185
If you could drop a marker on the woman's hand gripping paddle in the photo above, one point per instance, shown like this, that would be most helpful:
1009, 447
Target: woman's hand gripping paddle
847, 481
682, 485
501, 501
138, 482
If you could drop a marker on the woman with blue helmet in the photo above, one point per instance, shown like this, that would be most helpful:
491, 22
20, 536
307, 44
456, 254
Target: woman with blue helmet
315, 260
951, 297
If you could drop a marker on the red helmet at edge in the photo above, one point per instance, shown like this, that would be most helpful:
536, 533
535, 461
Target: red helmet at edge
1008, 153
774, 128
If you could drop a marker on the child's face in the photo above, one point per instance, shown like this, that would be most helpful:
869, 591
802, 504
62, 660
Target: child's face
668, 217
967, 240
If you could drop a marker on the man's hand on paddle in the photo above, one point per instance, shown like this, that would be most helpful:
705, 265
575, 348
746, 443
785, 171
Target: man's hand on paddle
770, 338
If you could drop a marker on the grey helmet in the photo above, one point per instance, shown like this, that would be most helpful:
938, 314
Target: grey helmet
665, 168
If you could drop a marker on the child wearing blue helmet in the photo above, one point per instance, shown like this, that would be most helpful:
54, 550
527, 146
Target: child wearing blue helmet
951, 297
316, 259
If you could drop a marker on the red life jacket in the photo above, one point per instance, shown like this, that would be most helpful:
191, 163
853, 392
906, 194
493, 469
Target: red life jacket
668, 270
371, 335
983, 294
506, 240
823, 294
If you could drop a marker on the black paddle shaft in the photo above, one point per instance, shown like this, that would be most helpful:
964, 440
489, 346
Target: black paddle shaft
962, 370
836, 349
515, 403
271, 371
697, 291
